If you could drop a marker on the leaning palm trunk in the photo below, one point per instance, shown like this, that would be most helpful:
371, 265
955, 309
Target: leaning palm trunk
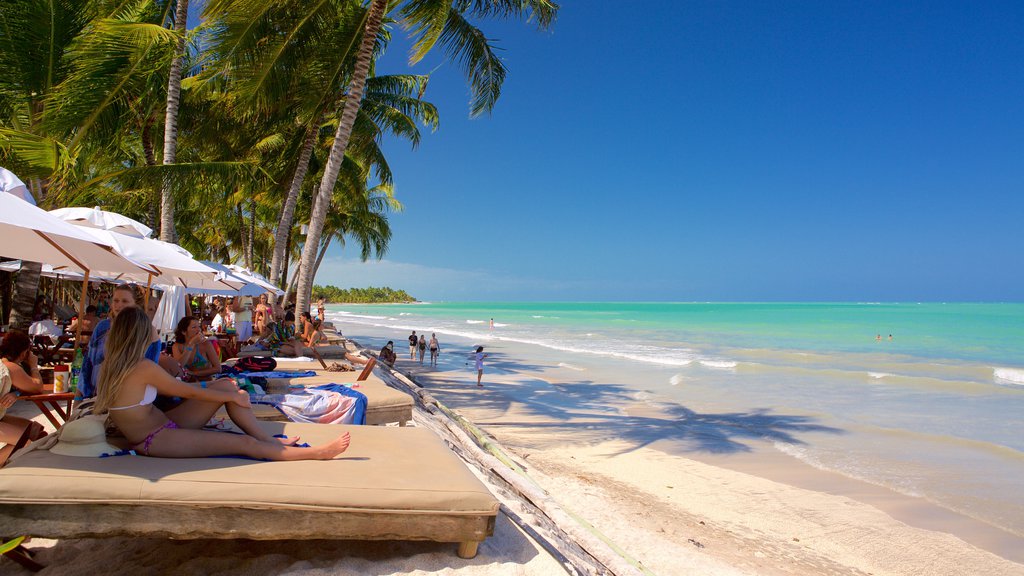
320, 257
150, 154
277, 265
341, 138
25, 290
167, 233
298, 272
249, 261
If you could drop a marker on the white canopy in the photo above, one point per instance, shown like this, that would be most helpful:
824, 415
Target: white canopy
30, 233
251, 286
103, 220
175, 266
255, 278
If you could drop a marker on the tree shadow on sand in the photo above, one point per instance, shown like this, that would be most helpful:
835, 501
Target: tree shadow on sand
545, 414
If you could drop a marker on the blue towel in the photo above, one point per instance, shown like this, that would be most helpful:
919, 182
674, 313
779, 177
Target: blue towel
278, 374
359, 416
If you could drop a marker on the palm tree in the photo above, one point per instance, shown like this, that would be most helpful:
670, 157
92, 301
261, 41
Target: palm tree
46, 47
431, 21
167, 232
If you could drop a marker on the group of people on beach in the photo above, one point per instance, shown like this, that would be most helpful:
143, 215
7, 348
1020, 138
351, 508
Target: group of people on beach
420, 344
416, 344
141, 391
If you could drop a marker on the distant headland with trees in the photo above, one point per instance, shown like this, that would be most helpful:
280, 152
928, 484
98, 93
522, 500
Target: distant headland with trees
369, 295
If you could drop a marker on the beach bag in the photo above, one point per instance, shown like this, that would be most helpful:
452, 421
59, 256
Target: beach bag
256, 363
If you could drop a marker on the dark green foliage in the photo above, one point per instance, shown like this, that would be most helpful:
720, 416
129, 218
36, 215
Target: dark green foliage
370, 295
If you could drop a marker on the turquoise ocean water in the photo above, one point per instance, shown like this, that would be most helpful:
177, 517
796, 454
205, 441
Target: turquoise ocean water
935, 412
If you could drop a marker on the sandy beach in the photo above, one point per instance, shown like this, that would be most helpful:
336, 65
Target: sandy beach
636, 473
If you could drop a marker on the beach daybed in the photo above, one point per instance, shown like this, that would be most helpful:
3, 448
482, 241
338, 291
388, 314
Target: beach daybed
384, 404
391, 484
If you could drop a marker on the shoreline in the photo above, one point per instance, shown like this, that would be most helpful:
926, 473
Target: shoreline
519, 410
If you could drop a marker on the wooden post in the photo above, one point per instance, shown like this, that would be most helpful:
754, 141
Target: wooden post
81, 310
149, 290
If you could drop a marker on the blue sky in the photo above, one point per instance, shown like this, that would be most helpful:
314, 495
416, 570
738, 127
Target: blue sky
670, 150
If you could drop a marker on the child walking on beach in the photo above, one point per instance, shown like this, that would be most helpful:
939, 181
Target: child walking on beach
479, 357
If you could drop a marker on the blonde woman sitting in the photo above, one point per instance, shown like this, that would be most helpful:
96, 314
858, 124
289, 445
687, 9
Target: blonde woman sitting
129, 383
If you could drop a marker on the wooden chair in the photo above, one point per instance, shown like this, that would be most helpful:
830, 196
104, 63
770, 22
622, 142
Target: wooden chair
45, 350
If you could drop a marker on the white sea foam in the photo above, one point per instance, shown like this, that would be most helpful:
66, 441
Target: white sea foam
369, 316
676, 379
878, 375
719, 364
598, 347
405, 313
499, 325
570, 366
1014, 375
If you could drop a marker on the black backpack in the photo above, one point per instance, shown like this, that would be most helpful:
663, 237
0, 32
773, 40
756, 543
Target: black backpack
256, 363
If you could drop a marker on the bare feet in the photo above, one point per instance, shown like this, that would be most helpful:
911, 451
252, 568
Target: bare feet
328, 451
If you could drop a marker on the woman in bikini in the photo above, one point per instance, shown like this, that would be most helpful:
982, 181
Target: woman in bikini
129, 383
311, 333
194, 351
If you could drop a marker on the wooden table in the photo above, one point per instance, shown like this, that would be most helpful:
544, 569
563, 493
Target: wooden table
61, 403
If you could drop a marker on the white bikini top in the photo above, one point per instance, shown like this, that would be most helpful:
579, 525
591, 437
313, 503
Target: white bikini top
147, 398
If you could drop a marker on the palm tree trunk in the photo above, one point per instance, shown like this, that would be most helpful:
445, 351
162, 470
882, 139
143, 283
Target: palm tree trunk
323, 252
284, 226
291, 286
5, 296
250, 261
25, 291
243, 231
150, 153
167, 232
348, 117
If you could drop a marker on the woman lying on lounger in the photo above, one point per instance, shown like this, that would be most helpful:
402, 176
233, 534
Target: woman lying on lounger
129, 383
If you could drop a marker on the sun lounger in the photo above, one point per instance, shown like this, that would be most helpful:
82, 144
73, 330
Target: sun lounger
391, 484
384, 404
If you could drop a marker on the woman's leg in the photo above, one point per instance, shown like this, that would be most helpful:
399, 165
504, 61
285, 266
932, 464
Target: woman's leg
183, 443
479, 375
193, 414
16, 432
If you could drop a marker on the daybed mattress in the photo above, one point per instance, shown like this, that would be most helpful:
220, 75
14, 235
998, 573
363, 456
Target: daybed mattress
392, 483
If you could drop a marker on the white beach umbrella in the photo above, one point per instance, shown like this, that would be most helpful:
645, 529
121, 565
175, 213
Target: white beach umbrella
255, 278
32, 234
174, 265
251, 287
11, 184
103, 220
171, 309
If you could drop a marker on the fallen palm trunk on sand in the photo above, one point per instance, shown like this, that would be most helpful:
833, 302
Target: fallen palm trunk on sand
577, 544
